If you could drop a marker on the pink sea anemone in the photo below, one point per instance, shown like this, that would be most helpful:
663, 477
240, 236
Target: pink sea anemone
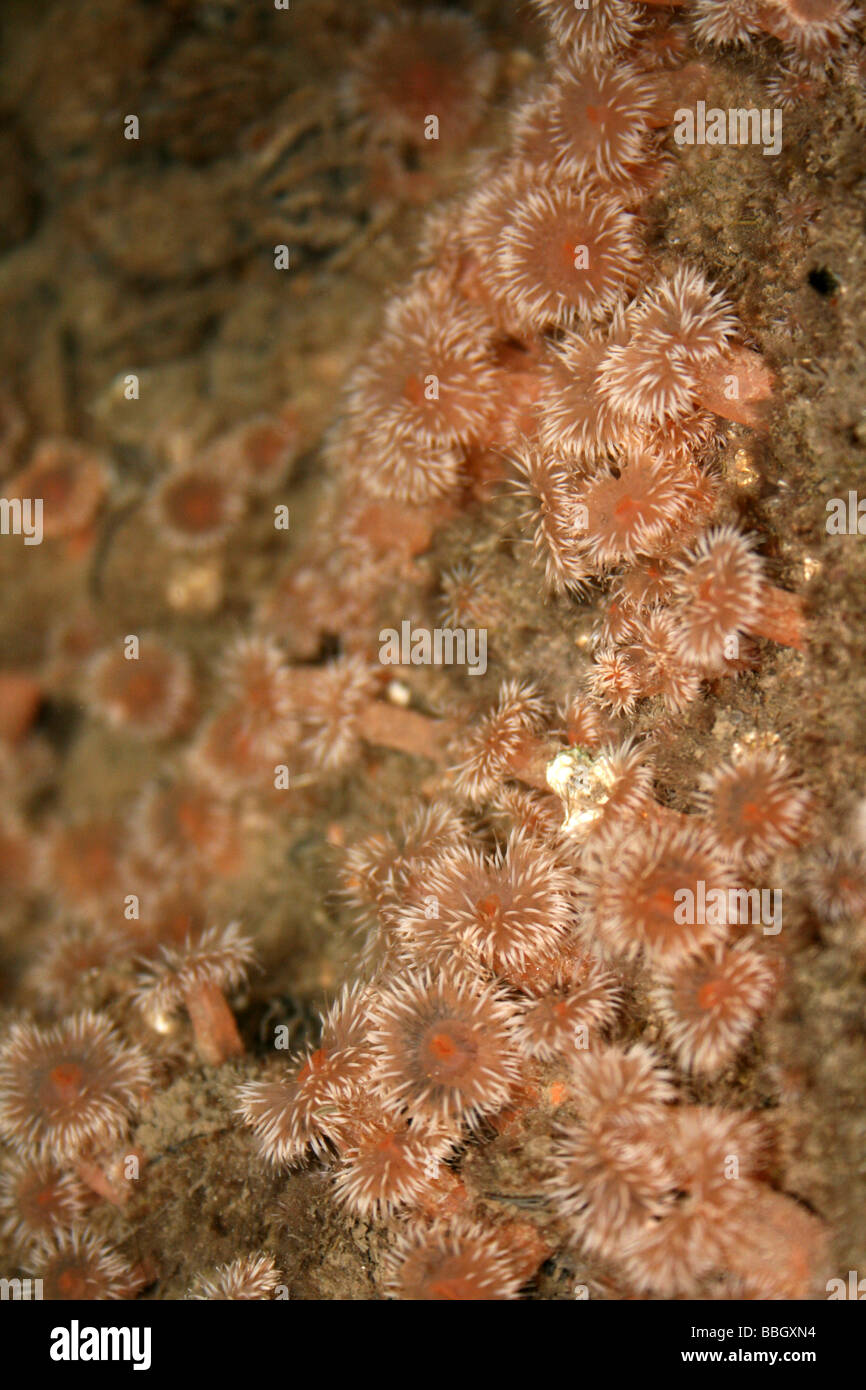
430, 62
248, 1278
711, 1004
637, 894
68, 1089
756, 805
566, 257
147, 694
499, 740
76, 1266
598, 118
601, 27
717, 594
555, 518
444, 1049
194, 976
388, 1165
455, 1261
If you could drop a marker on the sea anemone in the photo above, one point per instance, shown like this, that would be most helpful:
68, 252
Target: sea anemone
73, 957
711, 1004
583, 724
77, 1266
395, 464
598, 118
607, 1180
631, 510
228, 757
342, 688
601, 27
755, 805
195, 976
617, 626
535, 813
184, 822
380, 871
37, 1198
782, 1250
454, 1261
726, 22
499, 740
301, 1112
613, 681
71, 481
443, 1048
364, 872
677, 329
147, 694
717, 594
663, 46
388, 1165
305, 1110
257, 452
469, 597
714, 1156
574, 419
68, 1089
554, 1023
428, 63
485, 213
345, 1029
247, 1278
170, 916
430, 376
790, 88
502, 908
616, 1083
610, 1172
836, 882
658, 658
554, 515
195, 506
682, 441
643, 587
564, 257
641, 892
85, 860
815, 29
257, 682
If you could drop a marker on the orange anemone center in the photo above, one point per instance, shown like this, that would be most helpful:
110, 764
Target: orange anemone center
67, 1079
711, 994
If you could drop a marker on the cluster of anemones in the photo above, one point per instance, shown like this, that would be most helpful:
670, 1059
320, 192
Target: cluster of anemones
497, 972
149, 890
198, 501
508, 924
813, 32
674, 1194
539, 331
501, 938
67, 1092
